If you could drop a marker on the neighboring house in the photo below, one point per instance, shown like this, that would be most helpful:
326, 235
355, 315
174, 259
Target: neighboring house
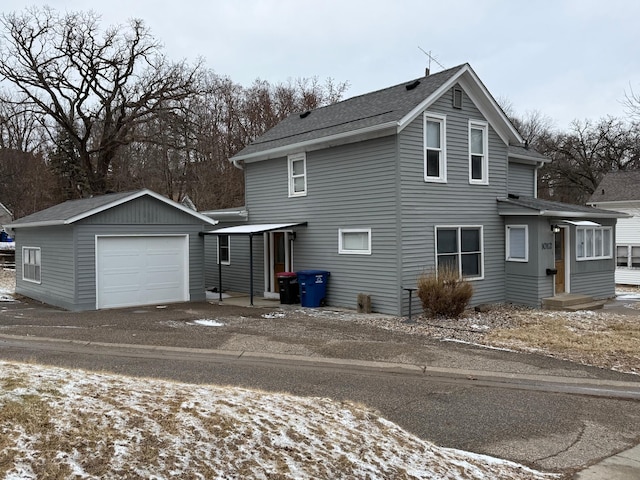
5, 215
382, 187
116, 250
621, 191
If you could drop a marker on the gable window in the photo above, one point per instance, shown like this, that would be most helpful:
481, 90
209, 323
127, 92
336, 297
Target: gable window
628, 256
593, 243
478, 153
297, 175
224, 250
517, 243
31, 264
355, 241
457, 97
460, 248
435, 155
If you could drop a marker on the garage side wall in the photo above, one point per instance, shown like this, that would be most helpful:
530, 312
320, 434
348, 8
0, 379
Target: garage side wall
57, 285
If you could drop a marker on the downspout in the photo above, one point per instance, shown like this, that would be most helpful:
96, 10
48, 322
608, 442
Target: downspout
236, 163
535, 179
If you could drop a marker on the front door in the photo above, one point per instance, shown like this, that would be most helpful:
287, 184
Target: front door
278, 249
560, 261
279, 257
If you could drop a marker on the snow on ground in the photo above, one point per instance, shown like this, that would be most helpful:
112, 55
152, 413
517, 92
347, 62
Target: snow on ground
206, 322
85, 425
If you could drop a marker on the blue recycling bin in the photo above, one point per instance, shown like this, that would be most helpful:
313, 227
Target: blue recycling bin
313, 287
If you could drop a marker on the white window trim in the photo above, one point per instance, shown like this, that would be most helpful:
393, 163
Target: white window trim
601, 257
344, 251
294, 158
509, 258
459, 227
442, 178
484, 126
40, 265
227, 262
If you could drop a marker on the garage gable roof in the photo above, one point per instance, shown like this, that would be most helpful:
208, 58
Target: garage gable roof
72, 211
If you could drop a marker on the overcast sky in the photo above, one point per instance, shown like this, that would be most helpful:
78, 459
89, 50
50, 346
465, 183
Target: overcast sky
569, 59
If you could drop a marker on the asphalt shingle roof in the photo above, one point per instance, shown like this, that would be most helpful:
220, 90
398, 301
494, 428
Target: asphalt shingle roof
617, 187
71, 208
551, 206
368, 110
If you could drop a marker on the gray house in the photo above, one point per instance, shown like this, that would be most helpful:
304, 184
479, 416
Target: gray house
620, 191
115, 250
382, 187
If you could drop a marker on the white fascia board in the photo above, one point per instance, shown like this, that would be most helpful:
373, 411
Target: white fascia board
139, 194
375, 131
529, 160
551, 213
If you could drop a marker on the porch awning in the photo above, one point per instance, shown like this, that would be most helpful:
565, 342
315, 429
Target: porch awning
254, 229
582, 223
251, 231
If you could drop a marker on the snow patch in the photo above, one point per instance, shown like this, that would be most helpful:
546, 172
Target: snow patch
274, 315
206, 322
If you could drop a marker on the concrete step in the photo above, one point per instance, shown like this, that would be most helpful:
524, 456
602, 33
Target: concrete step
595, 305
565, 300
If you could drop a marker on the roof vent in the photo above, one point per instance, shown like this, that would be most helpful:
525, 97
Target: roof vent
305, 114
412, 85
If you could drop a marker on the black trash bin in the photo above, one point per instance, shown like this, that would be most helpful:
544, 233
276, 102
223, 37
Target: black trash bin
288, 286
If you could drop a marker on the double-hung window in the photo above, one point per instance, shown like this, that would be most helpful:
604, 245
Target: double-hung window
224, 250
593, 243
628, 256
356, 241
461, 249
297, 175
517, 243
31, 264
478, 153
435, 153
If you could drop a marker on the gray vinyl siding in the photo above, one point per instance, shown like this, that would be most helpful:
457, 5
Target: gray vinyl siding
593, 277
425, 205
527, 282
351, 186
57, 265
521, 179
235, 276
141, 211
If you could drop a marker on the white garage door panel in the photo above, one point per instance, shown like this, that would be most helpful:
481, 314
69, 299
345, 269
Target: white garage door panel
134, 271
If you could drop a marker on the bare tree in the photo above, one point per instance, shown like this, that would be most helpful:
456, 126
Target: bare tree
98, 87
582, 156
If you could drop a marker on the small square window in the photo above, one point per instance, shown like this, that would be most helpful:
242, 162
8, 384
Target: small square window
31, 264
460, 248
355, 241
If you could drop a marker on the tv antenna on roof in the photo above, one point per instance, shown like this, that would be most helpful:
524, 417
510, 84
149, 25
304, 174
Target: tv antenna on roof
431, 58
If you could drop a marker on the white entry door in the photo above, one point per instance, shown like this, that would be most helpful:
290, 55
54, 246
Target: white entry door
141, 270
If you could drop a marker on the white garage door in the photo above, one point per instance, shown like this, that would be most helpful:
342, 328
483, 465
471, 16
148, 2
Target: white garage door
141, 270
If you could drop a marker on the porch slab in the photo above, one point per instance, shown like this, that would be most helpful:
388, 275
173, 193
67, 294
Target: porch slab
572, 302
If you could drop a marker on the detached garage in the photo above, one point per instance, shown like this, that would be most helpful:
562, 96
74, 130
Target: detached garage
111, 251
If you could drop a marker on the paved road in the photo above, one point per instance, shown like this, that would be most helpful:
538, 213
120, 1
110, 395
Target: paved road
546, 421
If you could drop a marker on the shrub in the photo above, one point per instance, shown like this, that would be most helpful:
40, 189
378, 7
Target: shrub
444, 294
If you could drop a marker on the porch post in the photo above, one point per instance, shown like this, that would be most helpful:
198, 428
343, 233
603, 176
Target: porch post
251, 268
219, 270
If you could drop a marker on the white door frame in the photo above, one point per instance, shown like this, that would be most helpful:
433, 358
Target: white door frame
269, 260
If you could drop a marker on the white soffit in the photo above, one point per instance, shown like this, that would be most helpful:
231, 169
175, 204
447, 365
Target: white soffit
252, 229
